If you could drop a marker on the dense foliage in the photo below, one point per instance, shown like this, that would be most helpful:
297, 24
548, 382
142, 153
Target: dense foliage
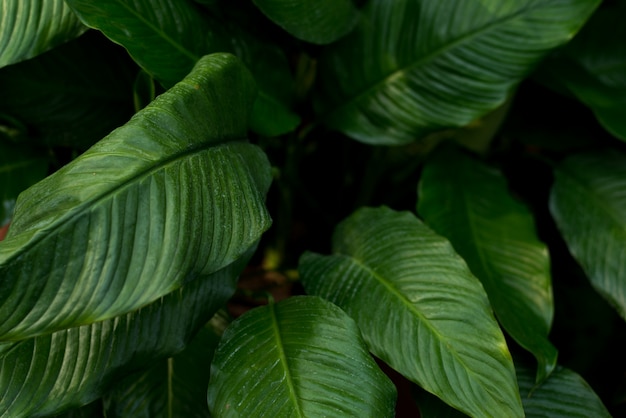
250, 208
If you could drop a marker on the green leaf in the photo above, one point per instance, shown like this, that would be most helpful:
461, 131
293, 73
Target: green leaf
593, 67
564, 394
589, 206
54, 95
316, 21
28, 28
48, 374
172, 196
414, 66
20, 168
166, 39
469, 203
174, 387
419, 309
302, 357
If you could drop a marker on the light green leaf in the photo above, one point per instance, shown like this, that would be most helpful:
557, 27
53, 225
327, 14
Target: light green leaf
563, 395
302, 357
30, 27
316, 21
20, 167
588, 204
54, 95
166, 39
469, 203
66, 369
414, 66
419, 309
171, 197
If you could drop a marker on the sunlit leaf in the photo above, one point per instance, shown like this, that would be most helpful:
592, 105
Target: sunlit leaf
419, 309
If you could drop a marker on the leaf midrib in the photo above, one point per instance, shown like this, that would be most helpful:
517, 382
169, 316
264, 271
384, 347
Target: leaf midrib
425, 59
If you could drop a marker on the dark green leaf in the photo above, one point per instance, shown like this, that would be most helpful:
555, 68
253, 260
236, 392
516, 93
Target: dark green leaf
317, 21
413, 66
419, 309
172, 196
28, 28
66, 369
73, 95
589, 206
302, 357
469, 203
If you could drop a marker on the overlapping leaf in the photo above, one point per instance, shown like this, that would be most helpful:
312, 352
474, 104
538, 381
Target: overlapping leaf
166, 38
172, 196
28, 28
419, 309
302, 357
469, 203
588, 203
316, 21
413, 66
45, 375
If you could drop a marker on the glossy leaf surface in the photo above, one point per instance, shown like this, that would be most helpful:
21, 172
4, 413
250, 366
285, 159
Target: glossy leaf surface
28, 28
316, 21
128, 221
167, 38
419, 309
470, 204
414, 66
302, 357
588, 203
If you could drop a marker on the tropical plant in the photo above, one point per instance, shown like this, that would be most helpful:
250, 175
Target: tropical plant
446, 179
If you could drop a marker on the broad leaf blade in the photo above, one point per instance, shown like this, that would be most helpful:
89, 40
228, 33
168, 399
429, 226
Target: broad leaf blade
28, 28
316, 21
172, 196
564, 394
469, 203
588, 204
411, 67
419, 309
48, 374
302, 357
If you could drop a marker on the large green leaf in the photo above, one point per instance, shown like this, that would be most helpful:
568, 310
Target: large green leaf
20, 168
166, 38
172, 196
316, 21
30, 27
302, 357
69, 368
593, 67
563, 395
469, 203
413, 66
588, 204
419, 309
73, 95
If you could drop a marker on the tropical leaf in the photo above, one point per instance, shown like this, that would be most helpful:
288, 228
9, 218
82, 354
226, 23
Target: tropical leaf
588, 204
55, 97
469, 203
563, 395
174, 387
302, 357
166, 39
593, 67
129, 221
48, 374
413, 66
320, 22
20, 168
419, 309
28, 28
